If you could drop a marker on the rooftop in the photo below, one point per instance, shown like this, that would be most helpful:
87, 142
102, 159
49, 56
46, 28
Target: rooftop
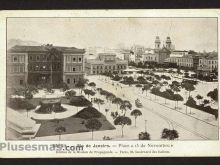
44, 48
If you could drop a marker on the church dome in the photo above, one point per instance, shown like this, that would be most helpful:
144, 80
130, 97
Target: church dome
168, 40
157, 39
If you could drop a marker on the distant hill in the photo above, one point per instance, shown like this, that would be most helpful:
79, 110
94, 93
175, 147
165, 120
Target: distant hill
13, 42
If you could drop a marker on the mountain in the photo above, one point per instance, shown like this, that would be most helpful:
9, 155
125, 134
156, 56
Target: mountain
13, 42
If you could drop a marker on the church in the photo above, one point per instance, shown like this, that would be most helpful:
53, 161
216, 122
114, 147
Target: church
158, 54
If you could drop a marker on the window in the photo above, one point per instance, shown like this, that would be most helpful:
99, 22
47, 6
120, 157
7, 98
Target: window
74, 59
74, 80
15, 59
30, 57
21, 82
80, 59
68, 81
21, 69
74, 69
38, 58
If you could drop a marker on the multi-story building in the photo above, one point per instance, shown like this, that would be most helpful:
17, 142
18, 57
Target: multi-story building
45, 64
149, 57
185, 61
137, 52
208, 64
105, 62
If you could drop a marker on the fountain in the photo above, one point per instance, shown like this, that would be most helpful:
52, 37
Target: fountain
49, 105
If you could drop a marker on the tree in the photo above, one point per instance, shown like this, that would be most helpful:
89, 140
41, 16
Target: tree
106, 111
199, 97
136, 113
166, 95
130, 80
93, 124
89, 92
155, 91
92, 84
191, 103
81, 84
177, 97
126, 105
146, 88
141, 79
213, 94
122, 121
52, 54
98, 102
118, 101
60, 130
110, 97
189, 87
175, 88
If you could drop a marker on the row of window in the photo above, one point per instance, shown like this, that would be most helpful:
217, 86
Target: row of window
210, 61
185, 64
73, 68
43, 58
16, 69
68, 81
110, 67
73, 59
38, 67
151, 58
18, 59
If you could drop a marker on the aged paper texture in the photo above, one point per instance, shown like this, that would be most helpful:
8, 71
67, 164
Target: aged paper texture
109, 83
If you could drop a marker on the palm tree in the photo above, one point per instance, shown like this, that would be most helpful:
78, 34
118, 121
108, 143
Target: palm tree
52, 53
60, 130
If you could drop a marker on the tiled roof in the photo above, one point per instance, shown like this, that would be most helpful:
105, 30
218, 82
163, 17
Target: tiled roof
19, 48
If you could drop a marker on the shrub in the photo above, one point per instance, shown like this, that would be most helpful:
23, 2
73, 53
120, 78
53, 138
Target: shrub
65, 87
144, 136
28, 95
20, 103
169, 134
70, 93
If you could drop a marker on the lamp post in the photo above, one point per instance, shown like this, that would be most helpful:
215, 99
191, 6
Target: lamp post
145, 125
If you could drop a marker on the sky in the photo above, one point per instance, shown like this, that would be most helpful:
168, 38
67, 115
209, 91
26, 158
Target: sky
197, 34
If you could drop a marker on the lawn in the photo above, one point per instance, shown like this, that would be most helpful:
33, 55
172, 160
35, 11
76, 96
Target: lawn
72, 125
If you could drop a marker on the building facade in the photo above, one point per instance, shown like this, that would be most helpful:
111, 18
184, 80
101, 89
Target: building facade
41, 65
105, 63
185, 61
208, 64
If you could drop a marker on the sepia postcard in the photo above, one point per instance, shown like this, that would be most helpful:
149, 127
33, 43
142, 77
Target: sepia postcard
109, 83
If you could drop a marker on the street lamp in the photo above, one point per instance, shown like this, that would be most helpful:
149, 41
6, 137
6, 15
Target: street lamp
145, 125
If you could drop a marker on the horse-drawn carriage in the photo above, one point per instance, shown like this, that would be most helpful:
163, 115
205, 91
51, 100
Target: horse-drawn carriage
138, 103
